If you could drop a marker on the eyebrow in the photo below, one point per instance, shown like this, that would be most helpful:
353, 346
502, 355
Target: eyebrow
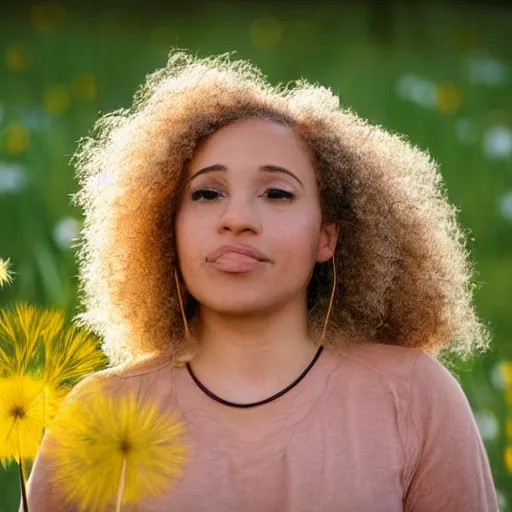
263, 168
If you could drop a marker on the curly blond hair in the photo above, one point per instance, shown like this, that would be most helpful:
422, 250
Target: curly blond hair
403, 269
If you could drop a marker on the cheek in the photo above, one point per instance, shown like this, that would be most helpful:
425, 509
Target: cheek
297, 237
188, 235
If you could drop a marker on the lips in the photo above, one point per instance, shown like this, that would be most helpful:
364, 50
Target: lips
236, 258
244, 249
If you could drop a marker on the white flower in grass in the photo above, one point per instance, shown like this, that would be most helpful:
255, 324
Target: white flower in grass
506, 205
502, 501
484, 69
487, 424
34, 117
498, 142
418, 90
13, 177
501, 375
66, 231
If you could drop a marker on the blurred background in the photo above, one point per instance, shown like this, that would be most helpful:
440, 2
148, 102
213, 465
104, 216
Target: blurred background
439, 72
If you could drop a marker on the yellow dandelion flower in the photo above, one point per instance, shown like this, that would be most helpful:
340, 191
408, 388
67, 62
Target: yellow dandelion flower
508, 458
5, 275
17, 57
21, 327
110, 449
52, 322
449, 97
17, 138
84, 86
505, 372
19, 330
21, 417
508, 396
69, 355
56, 99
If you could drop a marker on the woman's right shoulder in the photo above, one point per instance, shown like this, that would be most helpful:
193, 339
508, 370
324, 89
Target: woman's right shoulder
143, 373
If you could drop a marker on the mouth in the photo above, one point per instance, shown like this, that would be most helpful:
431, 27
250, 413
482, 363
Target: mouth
236, 258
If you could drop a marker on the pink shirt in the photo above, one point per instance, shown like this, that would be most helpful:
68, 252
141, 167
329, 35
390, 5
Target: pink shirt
375, 428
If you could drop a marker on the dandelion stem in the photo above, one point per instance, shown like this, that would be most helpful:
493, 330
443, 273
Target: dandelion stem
25, 471
44, 406
22, 485
120, 489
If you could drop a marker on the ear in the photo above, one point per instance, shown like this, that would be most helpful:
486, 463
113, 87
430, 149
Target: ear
327, 242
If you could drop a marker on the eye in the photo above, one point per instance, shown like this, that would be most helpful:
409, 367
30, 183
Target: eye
207, 194
277, 193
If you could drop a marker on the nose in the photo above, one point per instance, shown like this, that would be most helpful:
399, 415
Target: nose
239, 216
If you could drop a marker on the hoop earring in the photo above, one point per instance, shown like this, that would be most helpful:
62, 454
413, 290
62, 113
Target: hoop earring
331, 300
180, 299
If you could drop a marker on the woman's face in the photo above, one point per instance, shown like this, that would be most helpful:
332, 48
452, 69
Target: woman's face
249, 227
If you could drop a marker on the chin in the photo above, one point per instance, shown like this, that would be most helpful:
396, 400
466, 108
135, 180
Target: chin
238, 306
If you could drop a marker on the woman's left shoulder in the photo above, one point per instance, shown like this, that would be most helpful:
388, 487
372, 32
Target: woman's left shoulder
391, 362
414, 370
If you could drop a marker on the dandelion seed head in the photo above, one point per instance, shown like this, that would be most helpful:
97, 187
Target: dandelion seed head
22, 412
5, 275
17, 412
70, 354
21, 327
94, 435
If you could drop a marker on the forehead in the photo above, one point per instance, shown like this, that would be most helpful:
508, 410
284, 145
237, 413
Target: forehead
262, 141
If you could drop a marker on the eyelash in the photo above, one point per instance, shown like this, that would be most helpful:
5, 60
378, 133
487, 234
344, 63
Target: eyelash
200, 194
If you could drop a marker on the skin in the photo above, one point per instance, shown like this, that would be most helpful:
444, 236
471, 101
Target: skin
252, 315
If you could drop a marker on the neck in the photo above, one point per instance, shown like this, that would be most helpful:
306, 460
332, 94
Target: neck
249, 357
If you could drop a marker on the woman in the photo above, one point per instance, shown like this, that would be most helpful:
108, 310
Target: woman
283, 274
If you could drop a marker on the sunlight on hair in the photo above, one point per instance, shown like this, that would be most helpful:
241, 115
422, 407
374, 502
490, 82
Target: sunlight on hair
406, 277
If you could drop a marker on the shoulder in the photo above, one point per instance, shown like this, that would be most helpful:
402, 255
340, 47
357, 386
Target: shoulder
144, 367
417, 375
377, 360
429, 396
133, 376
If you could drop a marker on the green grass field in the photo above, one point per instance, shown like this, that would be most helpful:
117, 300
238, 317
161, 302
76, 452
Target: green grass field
441, 75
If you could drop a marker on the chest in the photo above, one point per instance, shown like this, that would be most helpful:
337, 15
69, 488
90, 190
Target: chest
328, 462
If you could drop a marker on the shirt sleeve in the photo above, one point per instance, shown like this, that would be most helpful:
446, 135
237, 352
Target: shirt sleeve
450, 470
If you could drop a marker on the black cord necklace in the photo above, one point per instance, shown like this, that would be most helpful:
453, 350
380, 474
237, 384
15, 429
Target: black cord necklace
261, 402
